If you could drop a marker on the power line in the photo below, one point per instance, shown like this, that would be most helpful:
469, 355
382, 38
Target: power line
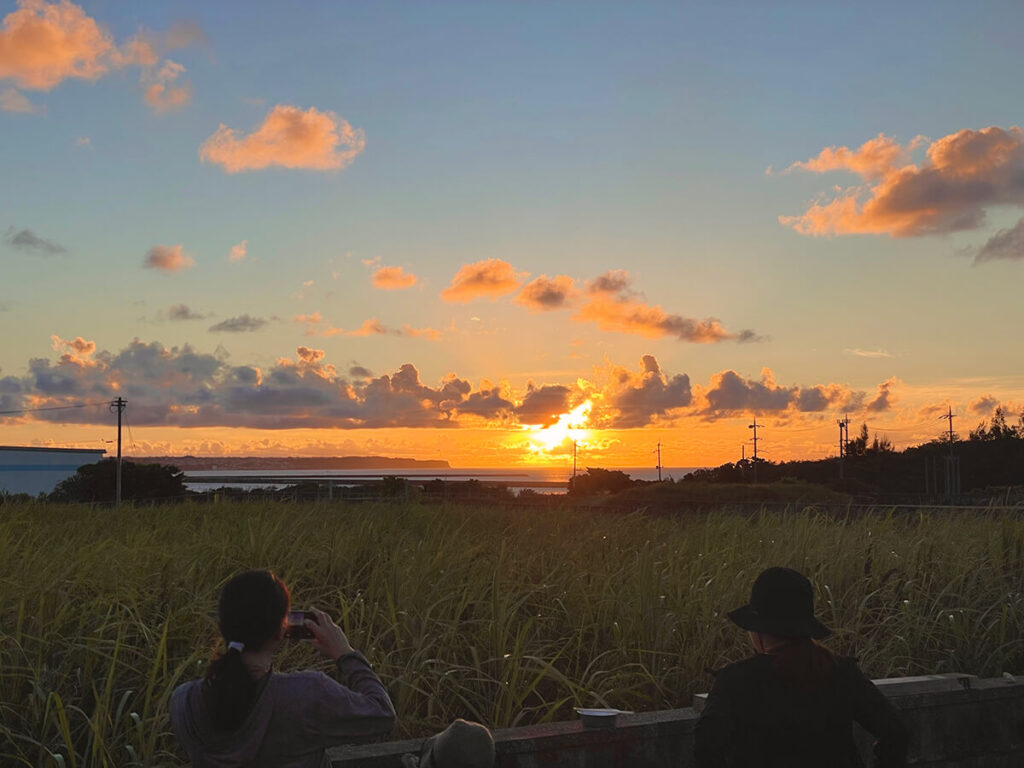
129, 427
52, 408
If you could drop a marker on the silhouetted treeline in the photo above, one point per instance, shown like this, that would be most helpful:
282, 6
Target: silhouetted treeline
139, 482
993, 457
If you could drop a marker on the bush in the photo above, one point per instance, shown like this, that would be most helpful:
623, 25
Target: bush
97, 482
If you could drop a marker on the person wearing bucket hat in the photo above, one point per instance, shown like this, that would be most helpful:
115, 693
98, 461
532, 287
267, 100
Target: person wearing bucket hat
461, 745
793, 703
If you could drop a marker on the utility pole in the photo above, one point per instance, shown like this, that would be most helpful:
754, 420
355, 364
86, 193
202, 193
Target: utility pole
952, 465
754, 427
844, 438
659, 462
119, 404
573, 459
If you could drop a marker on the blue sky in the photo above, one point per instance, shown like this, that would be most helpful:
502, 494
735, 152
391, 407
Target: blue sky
561, 138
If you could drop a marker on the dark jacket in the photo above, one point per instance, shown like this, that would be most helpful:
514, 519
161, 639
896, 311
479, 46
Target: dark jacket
753, 718
295, 717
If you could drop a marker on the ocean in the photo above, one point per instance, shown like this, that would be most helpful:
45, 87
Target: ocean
519, 477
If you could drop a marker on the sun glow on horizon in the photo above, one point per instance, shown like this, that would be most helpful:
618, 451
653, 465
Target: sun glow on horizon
568, 428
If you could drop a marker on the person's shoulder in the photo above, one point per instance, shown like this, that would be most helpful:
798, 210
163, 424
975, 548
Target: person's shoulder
181, 692
184, 698
743, 669
306, 678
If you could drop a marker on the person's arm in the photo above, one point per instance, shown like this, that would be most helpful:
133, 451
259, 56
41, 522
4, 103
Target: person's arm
356, 705
873, 711
715, 733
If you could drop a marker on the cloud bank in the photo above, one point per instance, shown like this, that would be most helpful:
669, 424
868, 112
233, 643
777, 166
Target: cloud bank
182, 386
730, 394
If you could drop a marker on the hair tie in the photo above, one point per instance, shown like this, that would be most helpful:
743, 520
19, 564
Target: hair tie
234, 645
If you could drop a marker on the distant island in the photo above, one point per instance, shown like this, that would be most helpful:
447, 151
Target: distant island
292, 462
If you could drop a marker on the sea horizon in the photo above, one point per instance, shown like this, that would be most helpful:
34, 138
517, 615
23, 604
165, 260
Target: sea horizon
197, 480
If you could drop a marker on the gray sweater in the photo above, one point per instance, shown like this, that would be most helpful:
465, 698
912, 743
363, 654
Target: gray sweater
294, 719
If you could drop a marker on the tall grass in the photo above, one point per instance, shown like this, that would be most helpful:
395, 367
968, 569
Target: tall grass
503, 616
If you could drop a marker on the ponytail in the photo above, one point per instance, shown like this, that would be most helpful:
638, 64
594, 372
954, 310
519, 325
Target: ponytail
251, 611
805, 665
230, 690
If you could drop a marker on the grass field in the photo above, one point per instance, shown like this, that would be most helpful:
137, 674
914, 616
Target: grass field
506, 616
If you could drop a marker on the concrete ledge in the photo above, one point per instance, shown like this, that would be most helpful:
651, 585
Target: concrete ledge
955, 721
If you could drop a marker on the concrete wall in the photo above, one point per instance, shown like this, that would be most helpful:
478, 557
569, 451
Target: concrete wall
38, 470
955, 721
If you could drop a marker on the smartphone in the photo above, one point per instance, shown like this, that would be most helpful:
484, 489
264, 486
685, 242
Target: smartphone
297, 629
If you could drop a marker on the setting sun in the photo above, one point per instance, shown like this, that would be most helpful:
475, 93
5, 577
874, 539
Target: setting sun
568, 428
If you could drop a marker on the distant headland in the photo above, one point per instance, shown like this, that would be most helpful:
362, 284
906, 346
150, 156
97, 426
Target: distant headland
292, 462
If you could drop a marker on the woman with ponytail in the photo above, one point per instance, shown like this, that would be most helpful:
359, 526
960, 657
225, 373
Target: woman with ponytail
242, 713
793, 703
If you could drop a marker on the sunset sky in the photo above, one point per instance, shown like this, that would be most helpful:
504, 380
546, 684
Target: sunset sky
477, 231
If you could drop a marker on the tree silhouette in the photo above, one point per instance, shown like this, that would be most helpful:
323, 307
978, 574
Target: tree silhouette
599, 481
97, 482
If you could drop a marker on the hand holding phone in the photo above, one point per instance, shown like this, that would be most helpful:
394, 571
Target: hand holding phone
328, 637
296, 625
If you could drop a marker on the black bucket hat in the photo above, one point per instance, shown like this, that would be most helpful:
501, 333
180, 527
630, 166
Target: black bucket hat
781, 603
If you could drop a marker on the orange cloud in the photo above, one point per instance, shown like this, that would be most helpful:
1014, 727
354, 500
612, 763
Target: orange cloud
308, 355
238, 251
374, 327
886, 396
161, 94
613, 306
42, 44
961, 175
79, 351
543, 294
873, 159
983, 405
625, 316
289, 137
370, 327
315, 325
168, 258
489, 278
420, 333
393, 279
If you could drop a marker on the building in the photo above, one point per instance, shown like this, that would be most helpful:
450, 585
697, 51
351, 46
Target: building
38, 470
